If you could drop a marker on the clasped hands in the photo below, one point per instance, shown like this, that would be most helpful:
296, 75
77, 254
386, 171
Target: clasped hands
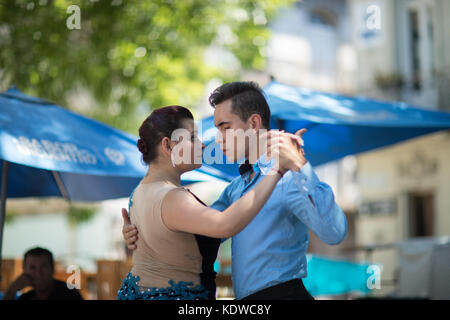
285, 148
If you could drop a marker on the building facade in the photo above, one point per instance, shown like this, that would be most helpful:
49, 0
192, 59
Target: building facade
392, 50
400, 47
402, 50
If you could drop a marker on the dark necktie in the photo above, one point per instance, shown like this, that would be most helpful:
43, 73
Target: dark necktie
245, 167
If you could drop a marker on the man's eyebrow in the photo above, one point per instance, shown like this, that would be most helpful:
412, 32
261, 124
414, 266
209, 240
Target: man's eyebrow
222, 123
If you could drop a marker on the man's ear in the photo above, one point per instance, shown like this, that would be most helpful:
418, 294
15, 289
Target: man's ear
255, 121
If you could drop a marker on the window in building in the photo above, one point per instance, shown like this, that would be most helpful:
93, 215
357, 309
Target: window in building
415, 48
421, 49
421, 214
324, 17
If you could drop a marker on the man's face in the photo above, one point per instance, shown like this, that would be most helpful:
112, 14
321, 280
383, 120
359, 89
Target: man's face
40, 270
230, 126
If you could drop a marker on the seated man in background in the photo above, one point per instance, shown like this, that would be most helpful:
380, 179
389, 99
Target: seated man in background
38, 270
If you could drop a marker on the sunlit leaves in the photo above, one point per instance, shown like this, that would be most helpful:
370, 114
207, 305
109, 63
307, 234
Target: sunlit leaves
129, 55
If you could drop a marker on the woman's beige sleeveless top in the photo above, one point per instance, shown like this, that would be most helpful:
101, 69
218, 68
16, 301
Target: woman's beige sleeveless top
161, 254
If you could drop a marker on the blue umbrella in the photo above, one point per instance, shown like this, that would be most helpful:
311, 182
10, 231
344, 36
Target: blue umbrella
49, 151
337, 125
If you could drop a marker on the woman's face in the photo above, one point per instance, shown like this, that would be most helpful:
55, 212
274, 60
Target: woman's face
187, 153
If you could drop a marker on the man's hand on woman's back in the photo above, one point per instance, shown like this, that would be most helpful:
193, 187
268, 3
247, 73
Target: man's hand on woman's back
129, 231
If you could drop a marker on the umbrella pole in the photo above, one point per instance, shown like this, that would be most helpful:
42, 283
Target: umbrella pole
60, 185
4, 192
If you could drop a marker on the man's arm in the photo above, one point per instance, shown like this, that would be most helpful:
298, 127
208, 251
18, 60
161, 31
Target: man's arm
312, 201
24, 280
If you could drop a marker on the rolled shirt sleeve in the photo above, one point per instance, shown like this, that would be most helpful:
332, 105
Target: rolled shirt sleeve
312, 201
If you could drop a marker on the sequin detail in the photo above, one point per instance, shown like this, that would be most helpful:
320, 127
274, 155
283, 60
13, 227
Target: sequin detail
177, 291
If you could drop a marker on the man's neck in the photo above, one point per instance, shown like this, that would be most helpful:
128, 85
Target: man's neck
252, 162
251, 155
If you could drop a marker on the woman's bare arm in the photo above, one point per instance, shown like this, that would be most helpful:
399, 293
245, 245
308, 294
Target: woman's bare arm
182, 212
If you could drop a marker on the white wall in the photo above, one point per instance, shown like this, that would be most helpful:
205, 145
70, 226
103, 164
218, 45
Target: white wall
99, 238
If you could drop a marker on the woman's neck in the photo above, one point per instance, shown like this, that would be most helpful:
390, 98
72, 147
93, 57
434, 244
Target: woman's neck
162, 173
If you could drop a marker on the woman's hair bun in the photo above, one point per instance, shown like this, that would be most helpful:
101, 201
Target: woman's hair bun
142, 146
161, 123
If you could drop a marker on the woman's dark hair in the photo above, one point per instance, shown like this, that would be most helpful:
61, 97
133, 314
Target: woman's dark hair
159, 124
247, 98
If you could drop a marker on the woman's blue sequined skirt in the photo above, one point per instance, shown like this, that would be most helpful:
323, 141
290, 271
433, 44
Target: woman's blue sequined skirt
177, 291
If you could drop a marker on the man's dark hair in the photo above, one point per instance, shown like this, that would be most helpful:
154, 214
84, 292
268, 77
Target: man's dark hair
247, 99
39, 252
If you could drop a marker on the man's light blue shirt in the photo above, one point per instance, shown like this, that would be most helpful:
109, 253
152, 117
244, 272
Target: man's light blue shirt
272, 248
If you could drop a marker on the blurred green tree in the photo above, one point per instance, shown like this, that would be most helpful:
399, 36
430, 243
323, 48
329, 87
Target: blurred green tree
129, 56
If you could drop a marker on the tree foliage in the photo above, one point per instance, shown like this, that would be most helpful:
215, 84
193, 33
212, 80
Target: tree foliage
129, 56
77, 214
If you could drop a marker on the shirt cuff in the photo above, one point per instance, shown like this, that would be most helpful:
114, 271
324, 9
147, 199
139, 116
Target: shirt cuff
306, 179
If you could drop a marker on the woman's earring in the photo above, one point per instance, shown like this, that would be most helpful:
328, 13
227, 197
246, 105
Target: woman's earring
171, 159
